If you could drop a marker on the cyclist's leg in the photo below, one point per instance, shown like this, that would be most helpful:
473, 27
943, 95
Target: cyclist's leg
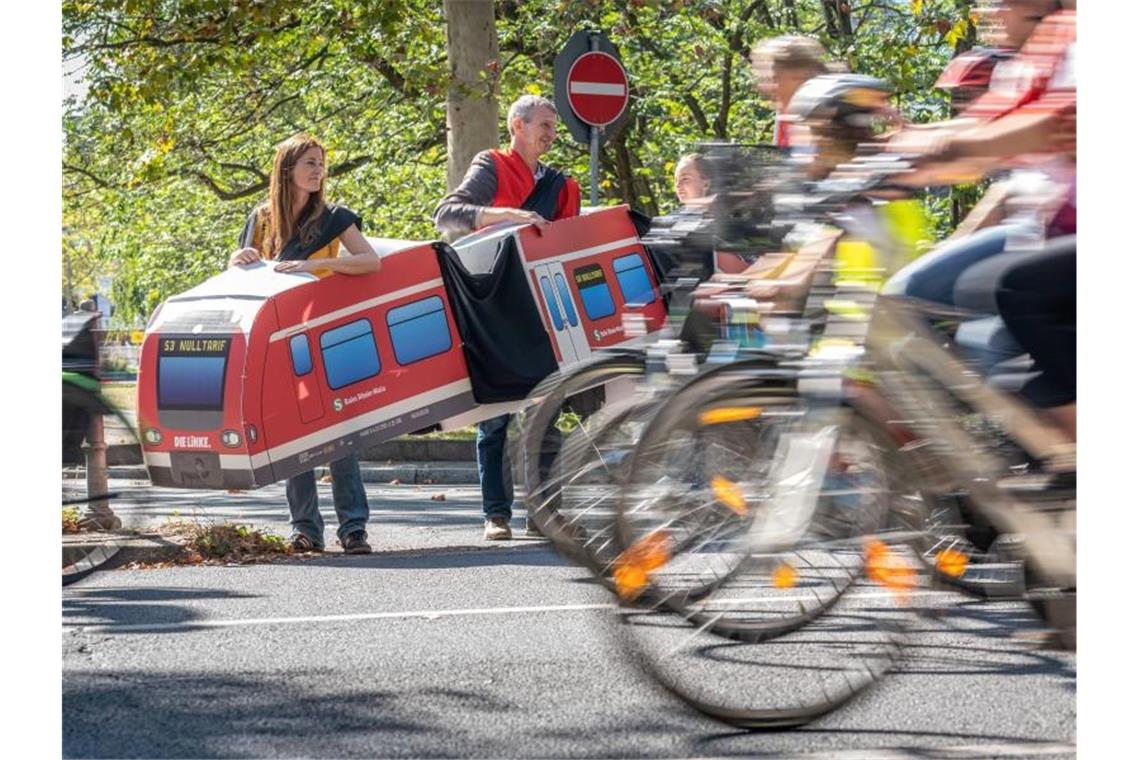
1035, 295
932, 276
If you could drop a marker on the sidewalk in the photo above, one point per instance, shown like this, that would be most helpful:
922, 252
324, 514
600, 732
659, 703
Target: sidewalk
404, 517
391, 473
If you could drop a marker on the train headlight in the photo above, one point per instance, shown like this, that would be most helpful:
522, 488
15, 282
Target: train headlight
251, 432
152, 436
231, 438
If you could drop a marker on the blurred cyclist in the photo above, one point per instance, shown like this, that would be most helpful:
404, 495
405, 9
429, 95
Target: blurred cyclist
780, 66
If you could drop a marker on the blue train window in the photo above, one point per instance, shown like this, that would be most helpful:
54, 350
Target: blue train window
548, 294
299, 350
191, 382
596, 298
349, 353
192, 372
634, 280
567, 301
419, 330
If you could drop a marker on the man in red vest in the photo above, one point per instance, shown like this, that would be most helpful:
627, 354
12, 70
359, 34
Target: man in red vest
508, 186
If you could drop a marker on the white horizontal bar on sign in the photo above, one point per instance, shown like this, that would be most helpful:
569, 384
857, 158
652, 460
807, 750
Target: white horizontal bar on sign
597, 88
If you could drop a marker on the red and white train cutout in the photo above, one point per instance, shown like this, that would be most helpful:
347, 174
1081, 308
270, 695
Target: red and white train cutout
255, 375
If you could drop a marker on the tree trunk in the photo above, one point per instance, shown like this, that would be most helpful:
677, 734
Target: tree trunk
472, 93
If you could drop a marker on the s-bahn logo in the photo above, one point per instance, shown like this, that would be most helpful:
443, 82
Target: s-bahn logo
340, 403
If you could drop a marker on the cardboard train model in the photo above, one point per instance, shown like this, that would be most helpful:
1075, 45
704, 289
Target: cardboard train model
255, 375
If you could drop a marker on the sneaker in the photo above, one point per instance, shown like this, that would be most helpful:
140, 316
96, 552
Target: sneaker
356, 542
302, 543
497, 528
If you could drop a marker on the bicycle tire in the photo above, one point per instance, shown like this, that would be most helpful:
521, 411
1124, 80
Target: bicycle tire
777, 680
539, 463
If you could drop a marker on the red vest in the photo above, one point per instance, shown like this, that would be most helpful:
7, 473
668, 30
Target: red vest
516, 181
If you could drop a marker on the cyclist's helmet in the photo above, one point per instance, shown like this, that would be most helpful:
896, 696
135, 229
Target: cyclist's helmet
841, 100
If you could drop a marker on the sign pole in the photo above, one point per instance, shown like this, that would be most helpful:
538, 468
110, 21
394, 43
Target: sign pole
594, 165
591, 92
594, 143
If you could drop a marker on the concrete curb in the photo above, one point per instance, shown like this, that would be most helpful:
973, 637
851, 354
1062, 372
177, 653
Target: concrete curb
139, 547
406, 450
407, 473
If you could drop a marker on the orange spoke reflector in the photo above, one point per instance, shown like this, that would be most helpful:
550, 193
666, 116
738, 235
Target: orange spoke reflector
730, 414
729, 494
887, 568
785, 576
634, 566
951, 562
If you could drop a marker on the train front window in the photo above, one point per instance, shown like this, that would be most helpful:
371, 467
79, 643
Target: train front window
192, 373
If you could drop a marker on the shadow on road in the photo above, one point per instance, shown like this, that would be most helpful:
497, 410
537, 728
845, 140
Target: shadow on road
135, 606
540, 555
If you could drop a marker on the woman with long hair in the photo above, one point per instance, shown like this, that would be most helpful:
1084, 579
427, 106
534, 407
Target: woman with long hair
301, 232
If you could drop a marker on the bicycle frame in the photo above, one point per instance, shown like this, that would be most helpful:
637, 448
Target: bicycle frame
916, 377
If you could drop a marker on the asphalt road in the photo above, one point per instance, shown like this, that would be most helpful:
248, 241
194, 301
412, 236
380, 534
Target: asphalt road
440, 645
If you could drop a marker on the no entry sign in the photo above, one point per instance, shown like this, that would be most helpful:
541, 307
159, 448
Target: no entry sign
591, 92
597, 88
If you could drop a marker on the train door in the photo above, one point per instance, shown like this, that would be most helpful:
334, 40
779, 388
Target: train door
309, 403
563, 315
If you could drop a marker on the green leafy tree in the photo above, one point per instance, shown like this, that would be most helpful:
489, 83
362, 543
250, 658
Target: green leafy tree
171, 144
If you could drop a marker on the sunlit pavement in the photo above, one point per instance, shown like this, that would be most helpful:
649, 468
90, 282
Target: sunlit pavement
441, 644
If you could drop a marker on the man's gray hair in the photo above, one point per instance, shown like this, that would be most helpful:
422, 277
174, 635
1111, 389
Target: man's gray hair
525, 107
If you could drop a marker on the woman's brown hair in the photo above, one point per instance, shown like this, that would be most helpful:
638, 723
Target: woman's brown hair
282, 225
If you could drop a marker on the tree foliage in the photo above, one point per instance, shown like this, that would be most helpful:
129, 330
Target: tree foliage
172, 141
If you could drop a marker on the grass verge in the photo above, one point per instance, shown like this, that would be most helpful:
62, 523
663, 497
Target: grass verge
224, 543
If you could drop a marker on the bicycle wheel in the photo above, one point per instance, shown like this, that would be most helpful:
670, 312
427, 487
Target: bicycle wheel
594, 462
96, 438
542, 441
804, 624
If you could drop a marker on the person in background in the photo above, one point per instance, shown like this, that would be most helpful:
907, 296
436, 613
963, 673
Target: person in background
780, 65
692, 178
509, 185
301, 232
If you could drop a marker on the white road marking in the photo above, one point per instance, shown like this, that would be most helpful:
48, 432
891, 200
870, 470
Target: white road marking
997, 749
425, 614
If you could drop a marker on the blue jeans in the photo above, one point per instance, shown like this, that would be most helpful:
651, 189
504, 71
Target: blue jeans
495, 472
348, 499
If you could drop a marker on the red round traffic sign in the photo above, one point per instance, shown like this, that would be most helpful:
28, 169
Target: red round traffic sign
597, 88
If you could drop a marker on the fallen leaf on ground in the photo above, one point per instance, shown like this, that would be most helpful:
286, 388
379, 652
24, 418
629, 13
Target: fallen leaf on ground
394, 482
439, 497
